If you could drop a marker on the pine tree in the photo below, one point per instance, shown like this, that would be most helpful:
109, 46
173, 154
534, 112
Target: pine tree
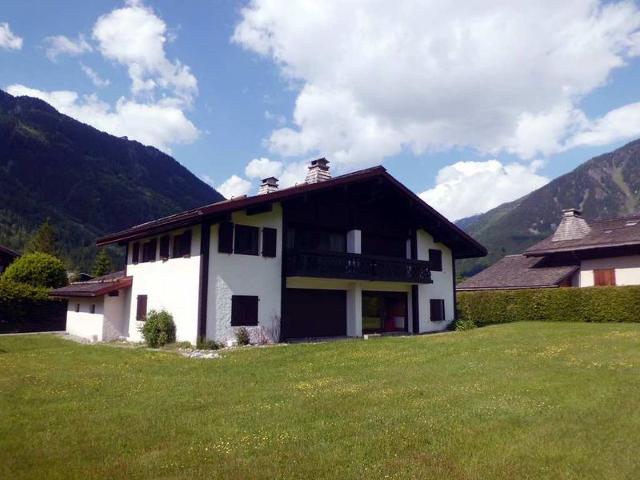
44, 241
102, 266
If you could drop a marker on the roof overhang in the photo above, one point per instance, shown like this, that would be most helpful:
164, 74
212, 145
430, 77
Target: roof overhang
91, 289
580, 248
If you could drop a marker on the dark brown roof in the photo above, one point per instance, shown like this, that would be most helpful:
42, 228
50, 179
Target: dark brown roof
462, 244
617, 232
518, 271
96, 287
8, 252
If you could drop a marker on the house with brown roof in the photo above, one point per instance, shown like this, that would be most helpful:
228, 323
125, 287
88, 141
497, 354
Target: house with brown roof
577, 254
333, 256
6, 257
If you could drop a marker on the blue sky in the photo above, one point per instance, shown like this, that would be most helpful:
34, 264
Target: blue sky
470, 105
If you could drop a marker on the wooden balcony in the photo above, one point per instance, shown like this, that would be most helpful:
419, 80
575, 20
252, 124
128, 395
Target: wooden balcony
354, 266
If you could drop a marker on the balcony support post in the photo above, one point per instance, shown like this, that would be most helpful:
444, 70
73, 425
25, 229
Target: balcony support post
354, 310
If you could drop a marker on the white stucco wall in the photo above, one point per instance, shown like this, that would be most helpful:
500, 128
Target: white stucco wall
627, 270
170, 284
236, 274
116, 315
441, 288
84, 323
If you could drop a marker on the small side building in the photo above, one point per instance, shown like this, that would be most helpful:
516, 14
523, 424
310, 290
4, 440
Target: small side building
6, 257
98, 309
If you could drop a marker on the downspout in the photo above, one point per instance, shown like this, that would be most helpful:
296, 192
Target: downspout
203, 287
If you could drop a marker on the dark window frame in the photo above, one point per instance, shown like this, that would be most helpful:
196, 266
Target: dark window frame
77, 308
435, 260
164, 249
92, 308
244, 310
135, 252
269, 242
141, 308
246, 240
436, 305
225, 237
182, 245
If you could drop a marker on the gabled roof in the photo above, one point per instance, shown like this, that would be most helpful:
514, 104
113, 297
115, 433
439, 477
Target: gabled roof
95, 287
8, 252
516, 272
462, 244
617, 232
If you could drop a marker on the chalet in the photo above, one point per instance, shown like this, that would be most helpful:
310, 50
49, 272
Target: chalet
577, 254
6, 257
344, 256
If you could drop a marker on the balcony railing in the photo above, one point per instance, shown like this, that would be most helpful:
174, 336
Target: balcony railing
357, 267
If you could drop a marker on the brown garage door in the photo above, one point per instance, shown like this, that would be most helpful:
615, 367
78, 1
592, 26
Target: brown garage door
314, 313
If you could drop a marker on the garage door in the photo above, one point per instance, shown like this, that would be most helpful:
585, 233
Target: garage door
315, 313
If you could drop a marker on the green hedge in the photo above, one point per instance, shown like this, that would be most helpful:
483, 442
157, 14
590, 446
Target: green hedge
595, 304
24, 308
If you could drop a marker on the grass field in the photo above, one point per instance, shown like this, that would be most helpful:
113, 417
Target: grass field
525, 400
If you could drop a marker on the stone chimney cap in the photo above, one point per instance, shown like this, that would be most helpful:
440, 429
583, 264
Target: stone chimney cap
322, 163
268, 185
270, 181
571, 212
318, 171
572, 226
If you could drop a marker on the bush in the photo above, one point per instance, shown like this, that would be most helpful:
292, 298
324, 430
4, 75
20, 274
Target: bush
159, 329
462, 325
24, 308
38, 270
242, 336
592, 304
205, 344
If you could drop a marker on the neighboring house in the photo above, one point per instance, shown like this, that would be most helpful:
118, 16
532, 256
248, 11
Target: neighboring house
6, 257
577, 254
344, 256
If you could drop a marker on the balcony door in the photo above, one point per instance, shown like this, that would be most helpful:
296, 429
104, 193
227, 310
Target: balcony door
384, 312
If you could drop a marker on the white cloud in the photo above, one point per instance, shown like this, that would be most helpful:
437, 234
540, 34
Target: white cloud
262, 168
234, 186
620, 124
134, 36
159, 124
96, 79
378, 77
469, 188
8, 39
61, 45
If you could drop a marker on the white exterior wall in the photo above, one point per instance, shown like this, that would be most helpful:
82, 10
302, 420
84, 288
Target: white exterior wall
84, 323
627, 270
441, 288
236, 274
116, 315
170, 284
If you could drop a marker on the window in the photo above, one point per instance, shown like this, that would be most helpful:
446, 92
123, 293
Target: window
604, 277
77, 307
182, 244
149, 251
308, 239
244, 310
114, 293
164, 247
269, 242
135, 252
141, 308
437, 309
435, 260
225, 237
246, 240
93, 308
385, 246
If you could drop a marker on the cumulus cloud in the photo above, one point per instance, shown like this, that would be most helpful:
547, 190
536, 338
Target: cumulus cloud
62, 45
159, 124
234, 186
619, 124
378, 78
468, 188
96, 79
135, 36
262, 168
8, 39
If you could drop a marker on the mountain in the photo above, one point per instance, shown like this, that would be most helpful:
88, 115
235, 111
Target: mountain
605, 186
86, 182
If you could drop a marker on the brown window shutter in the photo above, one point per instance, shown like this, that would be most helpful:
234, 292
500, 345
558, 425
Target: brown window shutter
604, 277
269, 242
164, 247
244, 310
435, 260
225, 237
436, 309
141, 308
135, 252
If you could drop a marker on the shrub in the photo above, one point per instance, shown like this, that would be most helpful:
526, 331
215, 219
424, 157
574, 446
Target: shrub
462, 325
205, 344
159, 329
242, 336
184, 345
38, 270
25, 308
593, 304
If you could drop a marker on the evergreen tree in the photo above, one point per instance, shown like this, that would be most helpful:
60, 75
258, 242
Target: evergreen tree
44, 241
102, 265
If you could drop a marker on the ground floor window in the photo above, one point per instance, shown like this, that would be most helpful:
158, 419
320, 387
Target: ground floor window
384, 312
244, 310
141, 308
436, 309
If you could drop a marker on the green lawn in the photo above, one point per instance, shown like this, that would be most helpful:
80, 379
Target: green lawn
526, 400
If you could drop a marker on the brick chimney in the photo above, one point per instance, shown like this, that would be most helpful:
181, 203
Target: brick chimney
268, 185
318, 171
572, 226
